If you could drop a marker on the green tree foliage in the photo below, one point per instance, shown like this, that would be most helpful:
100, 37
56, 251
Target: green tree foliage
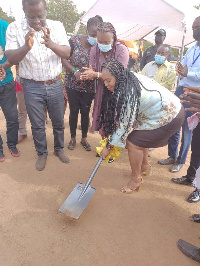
4, 16
64, 11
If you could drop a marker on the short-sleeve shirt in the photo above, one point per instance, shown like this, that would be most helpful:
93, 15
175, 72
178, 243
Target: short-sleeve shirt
40, 63
78, 59
9, 75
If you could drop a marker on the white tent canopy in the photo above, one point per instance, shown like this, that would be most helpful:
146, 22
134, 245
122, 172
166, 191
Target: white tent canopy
136, 19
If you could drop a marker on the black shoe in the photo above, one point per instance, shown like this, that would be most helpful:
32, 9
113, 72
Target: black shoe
72, 145
184, 180
195, 218
194, 196
167, 161
189, 250
176, 167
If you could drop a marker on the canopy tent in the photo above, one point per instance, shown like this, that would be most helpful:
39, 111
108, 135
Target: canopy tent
136, 19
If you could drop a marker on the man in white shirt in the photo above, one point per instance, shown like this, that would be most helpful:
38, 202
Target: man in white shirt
38, 45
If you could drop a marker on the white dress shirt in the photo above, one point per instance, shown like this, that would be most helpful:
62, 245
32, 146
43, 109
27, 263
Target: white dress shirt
40, 63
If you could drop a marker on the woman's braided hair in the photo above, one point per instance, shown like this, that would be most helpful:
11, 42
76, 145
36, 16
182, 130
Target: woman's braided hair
114, 104
108, 27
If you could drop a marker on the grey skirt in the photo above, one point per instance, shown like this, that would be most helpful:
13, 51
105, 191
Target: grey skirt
157, 137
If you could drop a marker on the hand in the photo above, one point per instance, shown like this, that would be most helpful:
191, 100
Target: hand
47, 40
29, 41
2, 73
105, 152
78, 75
192, 89
181, 70
192, 99
88, 74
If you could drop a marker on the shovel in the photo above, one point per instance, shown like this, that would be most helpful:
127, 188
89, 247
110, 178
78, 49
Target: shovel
80, 196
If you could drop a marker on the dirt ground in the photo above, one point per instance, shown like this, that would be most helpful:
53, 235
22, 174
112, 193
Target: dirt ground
139, 229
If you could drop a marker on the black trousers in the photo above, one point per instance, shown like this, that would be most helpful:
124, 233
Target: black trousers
79, 101
195, 155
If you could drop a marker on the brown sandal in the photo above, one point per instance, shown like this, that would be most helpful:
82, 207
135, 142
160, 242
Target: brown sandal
86, 146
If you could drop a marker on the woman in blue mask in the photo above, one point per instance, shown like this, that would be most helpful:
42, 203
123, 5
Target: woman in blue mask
107, 47
80, 93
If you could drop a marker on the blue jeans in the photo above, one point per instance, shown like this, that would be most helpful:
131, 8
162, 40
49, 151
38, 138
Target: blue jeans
8, 103
39, 98
173, 141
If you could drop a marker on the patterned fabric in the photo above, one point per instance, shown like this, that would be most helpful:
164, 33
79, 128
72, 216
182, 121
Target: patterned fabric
158, 107
79, 59
40, 63
165, 75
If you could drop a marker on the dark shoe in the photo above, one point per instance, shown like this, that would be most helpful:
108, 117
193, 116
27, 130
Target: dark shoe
14, 151
97, 155
189, 250
167, 161
195, 218
194, 196
176, 167
86, 146
21, 138
72, 145
184, 180
2, 157
111, 160
63, 158
41, 162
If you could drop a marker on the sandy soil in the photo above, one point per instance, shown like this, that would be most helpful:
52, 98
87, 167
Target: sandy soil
115, 229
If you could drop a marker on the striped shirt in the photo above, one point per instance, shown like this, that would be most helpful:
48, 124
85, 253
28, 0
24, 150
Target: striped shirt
40, 63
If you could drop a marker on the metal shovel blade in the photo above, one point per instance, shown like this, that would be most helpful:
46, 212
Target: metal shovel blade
80, 196
75, 204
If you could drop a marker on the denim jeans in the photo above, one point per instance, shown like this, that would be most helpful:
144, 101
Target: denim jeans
173, 141
39, 98
8, 104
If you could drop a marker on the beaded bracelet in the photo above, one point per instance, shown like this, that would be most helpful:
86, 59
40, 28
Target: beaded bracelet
73, 70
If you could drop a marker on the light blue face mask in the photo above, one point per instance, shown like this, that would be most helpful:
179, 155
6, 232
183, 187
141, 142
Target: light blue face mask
92, 41
159, 59
104, 47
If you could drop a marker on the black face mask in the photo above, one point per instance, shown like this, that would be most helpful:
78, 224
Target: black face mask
196, 34
158, 39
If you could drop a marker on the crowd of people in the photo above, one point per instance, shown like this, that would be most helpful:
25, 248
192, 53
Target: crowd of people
139, 111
